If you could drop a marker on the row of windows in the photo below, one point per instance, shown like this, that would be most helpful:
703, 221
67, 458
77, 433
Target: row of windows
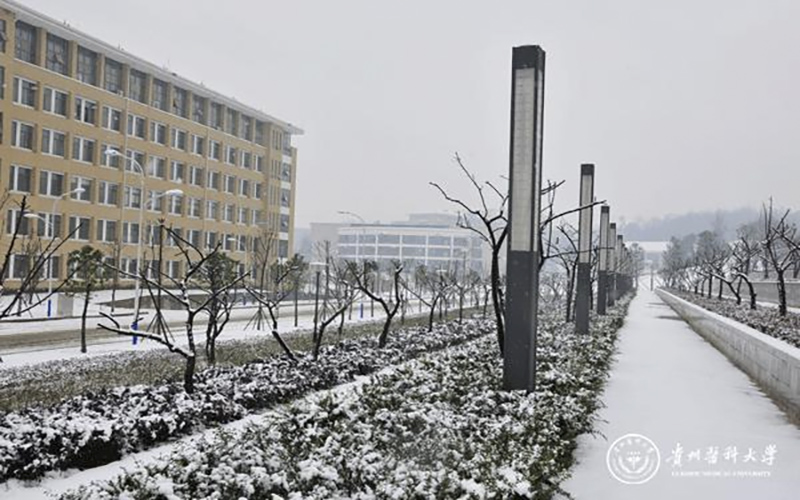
393, 251
85, 150
395, 239
87, 111
141, 87
86, 229
90, 190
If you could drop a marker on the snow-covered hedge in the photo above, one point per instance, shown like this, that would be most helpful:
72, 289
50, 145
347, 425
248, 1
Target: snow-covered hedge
437, 427
98, 428
764, 319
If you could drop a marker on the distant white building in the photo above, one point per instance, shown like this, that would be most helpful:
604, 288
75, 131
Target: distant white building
417, 241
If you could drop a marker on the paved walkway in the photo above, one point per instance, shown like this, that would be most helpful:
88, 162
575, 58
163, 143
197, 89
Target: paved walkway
673, 387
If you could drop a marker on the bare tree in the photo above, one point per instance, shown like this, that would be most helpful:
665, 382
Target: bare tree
429, 288
88, 276
25, 272
177, 289
216, 276
340, 296
780, 245
284, 277
364, 278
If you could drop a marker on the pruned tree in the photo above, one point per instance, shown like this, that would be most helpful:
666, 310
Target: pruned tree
177, 288
365, 276
340, 296
88, 275
429, 288
217, 274
780, 246
276, 282
114, 256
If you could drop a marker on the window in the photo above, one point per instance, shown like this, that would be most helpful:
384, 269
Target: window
130, 266
195, 207
173, 267
112, 119
83, 149
24, 92
25, 43
247, 159
255, 217
85, 110
259, 163
137, 84
260, 135
196, 176
230, 155
173, 238
107, 230
231, 121
14, 218
51, 183
284, 223
57, 57
80, 228
199, 109
2, 79
180, 102
22, 135
286, 198
155, 201
215, 150
212, 210
54, 142
211, 239
229, 213
216, 116
130, 233
198, 145
87, 66
113, 76
160, 91
3, 35
133, 197
247, 128
193, 237
244, 187
49, 225
55, 101
230, 184
179, 139
286, 172
213, 180
158, 133
176, 171
83, 183
135, 161
136, 126
158, 167
242, 218
20, 179
108, 160
108, 193
175, 205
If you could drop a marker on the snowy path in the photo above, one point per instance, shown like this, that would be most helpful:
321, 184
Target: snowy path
671, 386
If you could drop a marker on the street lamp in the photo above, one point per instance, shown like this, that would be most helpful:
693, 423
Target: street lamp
49, 223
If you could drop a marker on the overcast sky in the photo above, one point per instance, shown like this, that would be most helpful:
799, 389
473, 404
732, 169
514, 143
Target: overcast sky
682, 105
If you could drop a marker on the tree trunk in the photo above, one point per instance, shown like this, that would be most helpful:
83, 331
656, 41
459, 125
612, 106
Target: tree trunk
460, 308
781, 292
277, 337
86, 299
385, 332
752, 295
498, 312
719, 291
710, 286
430, 316
188, 375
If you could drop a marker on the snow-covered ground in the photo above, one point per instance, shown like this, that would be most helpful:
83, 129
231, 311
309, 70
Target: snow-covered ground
236, 329
669, 385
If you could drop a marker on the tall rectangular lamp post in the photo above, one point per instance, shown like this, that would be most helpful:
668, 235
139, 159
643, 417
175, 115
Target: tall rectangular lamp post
602, 261
525, 184
612, 262
583, 291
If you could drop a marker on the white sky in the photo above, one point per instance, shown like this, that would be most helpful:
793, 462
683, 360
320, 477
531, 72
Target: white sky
682, 105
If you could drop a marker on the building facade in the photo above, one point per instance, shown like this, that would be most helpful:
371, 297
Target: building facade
435, 246
93, 136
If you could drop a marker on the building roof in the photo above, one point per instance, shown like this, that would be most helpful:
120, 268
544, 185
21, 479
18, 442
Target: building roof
64, 30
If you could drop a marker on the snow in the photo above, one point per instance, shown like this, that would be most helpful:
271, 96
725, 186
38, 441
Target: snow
671, 386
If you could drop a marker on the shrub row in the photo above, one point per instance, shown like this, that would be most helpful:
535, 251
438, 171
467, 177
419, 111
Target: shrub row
100, 427
437, 427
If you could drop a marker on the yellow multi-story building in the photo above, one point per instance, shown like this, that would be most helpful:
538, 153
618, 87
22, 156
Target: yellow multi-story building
95, 137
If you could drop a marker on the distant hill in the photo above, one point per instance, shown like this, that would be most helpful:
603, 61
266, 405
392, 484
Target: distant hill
662, 229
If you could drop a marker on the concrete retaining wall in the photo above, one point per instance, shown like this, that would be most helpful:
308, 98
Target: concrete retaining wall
773, 364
